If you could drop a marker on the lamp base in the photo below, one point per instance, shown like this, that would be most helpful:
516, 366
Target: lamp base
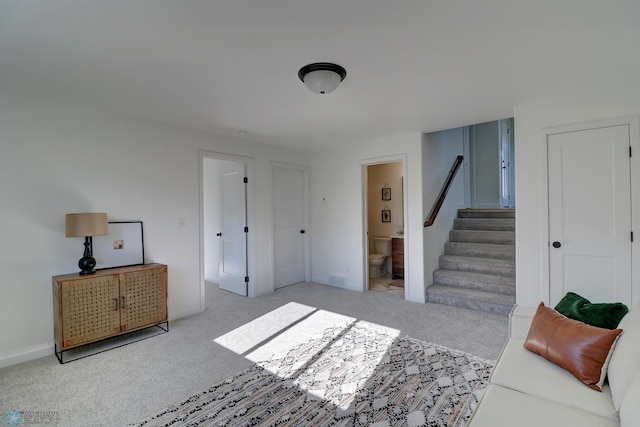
87, 265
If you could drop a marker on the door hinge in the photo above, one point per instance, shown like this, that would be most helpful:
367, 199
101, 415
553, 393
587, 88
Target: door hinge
246, 279
246, 229
245, 180
632, 236
629, 151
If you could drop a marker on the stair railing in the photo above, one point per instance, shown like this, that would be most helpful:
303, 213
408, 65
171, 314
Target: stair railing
443, 193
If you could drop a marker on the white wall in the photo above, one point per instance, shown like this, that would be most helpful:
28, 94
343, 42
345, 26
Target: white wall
532, 270
337, 211
56, 159
440, 150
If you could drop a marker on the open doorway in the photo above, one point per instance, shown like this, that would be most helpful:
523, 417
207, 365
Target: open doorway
490, 165
385, 227
226, 224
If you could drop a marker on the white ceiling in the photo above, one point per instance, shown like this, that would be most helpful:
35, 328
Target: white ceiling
231, 65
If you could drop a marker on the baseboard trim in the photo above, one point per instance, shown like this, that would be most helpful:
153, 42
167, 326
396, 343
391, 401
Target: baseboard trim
418, 299
37, 351
325, 282
183, 314
26, 354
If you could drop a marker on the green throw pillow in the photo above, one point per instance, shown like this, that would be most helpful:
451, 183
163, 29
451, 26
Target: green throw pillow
603, 315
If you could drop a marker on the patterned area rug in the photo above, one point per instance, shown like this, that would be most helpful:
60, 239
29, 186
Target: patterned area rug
350, 375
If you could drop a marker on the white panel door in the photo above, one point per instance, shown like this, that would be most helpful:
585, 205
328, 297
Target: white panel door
289, 232
233, 238
590, 214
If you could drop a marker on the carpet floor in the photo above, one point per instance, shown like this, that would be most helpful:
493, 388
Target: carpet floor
123, 385
348, 375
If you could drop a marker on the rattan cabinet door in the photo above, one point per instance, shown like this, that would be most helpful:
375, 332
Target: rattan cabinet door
89, 310
143, 297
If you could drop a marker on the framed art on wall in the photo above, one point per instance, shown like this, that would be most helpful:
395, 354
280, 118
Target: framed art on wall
386, 215
386, 193
123, 246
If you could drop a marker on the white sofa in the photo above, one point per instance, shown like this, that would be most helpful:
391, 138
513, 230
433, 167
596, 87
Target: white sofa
527, 390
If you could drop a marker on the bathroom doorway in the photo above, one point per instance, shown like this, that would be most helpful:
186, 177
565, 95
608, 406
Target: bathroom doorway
385, 227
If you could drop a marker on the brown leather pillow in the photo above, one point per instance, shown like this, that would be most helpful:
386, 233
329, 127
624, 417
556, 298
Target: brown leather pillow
579, 348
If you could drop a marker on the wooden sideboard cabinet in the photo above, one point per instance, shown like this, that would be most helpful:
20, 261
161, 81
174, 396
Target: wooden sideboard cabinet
397, 257
110, 302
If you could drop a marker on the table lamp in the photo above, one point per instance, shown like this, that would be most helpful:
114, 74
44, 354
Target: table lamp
86, 225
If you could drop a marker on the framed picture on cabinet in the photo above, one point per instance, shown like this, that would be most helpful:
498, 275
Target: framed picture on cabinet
123, 246
386, 215
386, 193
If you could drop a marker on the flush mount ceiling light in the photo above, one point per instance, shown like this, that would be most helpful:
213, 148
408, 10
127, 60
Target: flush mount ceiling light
322, 77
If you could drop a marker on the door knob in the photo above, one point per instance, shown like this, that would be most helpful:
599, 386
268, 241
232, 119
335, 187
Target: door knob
556, 244
302, 231
219, 234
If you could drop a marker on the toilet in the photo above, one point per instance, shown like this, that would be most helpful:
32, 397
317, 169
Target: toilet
378, 259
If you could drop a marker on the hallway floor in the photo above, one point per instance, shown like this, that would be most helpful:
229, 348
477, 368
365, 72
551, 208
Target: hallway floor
387, 284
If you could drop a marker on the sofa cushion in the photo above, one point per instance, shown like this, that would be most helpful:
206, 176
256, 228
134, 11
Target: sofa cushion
502, 407
630, 407
625, 360
575, 346
602, 315
526, 372
520, 321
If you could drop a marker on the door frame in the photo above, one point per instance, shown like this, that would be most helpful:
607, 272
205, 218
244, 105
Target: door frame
468, 166
251, 245
634, 140
364, 164
306, 215
507, 177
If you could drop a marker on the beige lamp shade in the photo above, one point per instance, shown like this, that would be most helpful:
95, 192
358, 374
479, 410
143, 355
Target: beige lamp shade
86, 224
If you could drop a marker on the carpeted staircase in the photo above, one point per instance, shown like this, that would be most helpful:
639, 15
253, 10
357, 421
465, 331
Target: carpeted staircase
477, 270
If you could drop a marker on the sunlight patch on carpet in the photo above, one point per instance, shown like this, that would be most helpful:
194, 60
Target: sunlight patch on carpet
263, 328
335, 364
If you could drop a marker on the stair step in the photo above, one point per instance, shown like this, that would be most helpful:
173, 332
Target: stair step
478, 281
477, 270
480, 250
486, 213
472, 299
483, 236
490, 224
498, 267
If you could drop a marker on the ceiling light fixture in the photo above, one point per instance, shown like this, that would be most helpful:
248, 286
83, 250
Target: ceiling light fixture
322, 77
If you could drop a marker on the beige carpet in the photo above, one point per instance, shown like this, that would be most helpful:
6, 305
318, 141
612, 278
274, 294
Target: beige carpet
126, 384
